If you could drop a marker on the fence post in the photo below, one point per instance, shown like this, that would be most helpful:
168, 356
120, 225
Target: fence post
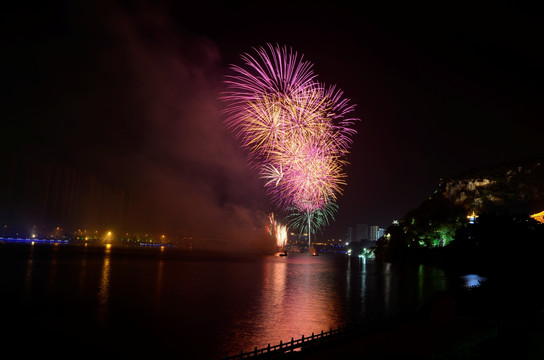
312, 335
302, 338
268, 347
280, 344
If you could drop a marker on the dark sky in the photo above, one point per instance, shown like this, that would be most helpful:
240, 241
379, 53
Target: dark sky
110, 114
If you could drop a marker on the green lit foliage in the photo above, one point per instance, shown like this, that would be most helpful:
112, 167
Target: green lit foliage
431, 225
443, 235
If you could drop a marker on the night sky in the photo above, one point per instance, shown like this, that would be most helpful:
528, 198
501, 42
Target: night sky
111, 117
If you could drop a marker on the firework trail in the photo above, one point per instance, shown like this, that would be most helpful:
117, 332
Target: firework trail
318, 218
296, 129
278, 232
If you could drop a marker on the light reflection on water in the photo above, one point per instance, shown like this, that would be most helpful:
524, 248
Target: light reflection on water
471, 280
301, 294
28, 276
159, 283
294, 300
205, 307
104, 289
363, 283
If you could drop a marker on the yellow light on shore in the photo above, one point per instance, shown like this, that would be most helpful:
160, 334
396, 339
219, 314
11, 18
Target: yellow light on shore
539, 217
472, 217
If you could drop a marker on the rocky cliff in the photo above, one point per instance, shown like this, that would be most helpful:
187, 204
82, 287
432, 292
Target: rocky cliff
516, 187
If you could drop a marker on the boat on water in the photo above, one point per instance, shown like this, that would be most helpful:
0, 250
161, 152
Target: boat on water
281, 252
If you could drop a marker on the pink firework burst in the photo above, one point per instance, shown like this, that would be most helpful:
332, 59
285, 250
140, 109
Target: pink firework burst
298, 131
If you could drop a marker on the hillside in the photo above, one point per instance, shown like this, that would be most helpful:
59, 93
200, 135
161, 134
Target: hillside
517, 187
496, 199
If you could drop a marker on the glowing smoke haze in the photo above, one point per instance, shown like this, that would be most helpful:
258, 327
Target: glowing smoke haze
143, 145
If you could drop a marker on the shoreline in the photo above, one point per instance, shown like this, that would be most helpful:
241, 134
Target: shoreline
449, 326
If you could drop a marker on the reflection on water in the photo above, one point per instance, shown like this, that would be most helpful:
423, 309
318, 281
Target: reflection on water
274, 296
159, 283
53, 271
82, 278
205, 307
471, 280
387, 284
363, 261
104, 289
296, 296
300, 295
28, 276
348, 278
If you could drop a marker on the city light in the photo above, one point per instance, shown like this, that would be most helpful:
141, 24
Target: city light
472, 217
539, 217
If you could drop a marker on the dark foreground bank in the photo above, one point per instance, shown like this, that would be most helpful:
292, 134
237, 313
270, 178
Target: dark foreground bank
484, 322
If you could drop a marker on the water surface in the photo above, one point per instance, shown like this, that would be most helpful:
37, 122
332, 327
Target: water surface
92, 301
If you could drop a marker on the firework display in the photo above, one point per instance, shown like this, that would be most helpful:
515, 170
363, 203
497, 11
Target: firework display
305, 222
277, 231
295, 128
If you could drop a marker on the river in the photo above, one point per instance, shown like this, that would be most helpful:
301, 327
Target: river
75, 301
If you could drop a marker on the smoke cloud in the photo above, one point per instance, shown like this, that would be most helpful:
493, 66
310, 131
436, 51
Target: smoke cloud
118, 124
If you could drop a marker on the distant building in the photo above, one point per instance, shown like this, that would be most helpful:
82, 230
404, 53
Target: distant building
362, 232
349, 234
376, 232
